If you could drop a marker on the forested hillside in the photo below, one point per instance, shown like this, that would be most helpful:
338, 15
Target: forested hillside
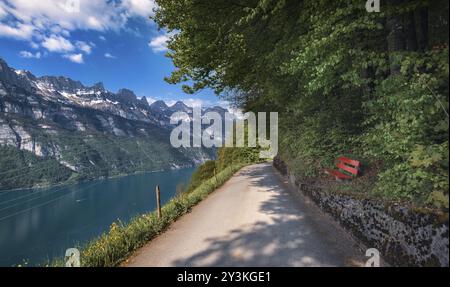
373, 86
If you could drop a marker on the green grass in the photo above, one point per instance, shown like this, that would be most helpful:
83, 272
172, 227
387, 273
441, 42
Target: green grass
115, 246
203, 173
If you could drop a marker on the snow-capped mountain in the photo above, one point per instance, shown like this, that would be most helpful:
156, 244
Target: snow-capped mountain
89, 131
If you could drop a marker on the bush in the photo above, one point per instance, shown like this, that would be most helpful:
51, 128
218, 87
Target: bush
409, 131
203, 172
231, 156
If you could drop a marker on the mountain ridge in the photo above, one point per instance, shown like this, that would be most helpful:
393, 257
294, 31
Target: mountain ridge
84, 131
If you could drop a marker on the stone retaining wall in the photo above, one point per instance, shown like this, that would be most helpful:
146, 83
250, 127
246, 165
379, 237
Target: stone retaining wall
404, 235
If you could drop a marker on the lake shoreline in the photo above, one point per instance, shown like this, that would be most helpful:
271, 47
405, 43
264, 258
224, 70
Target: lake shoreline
74, 181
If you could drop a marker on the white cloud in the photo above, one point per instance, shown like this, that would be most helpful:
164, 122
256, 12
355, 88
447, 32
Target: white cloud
34, 45
59, 31
29, 55
143, 8
18, 31
2, 12
110, 56
92, 14
159, 43
57, 44
76, 58
197, 103
85, 47
50, 23
102, 38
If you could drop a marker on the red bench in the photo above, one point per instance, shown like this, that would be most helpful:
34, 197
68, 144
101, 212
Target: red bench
347, 169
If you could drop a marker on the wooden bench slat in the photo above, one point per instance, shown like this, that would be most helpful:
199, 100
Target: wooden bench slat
347, 168
345, 164
349, 161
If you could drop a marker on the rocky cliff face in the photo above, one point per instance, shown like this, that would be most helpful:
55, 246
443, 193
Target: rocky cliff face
88, 130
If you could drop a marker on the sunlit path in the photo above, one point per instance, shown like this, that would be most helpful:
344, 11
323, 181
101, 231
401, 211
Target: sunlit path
253, 220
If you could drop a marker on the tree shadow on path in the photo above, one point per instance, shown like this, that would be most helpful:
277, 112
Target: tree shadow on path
291, 237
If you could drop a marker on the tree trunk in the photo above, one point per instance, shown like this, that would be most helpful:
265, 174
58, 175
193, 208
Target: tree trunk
411, 42
396, 37
421, 17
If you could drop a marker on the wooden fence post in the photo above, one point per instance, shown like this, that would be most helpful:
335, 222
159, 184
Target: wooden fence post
158, 201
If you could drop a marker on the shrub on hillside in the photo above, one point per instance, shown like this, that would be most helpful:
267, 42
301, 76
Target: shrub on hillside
203, 172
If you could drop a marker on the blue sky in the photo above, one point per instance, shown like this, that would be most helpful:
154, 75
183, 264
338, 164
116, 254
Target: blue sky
109, 41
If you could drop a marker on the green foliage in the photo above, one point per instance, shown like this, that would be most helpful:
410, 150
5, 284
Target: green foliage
226, 157
203, 173
100, 155
231, 156
344, 81
408, 129
94, 155
22, 168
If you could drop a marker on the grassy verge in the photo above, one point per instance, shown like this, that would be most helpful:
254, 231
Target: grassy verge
115, 246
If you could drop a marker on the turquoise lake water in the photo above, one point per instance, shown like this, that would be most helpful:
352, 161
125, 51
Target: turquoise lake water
39, 225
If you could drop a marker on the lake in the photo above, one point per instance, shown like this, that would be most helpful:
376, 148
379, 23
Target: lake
39, 225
